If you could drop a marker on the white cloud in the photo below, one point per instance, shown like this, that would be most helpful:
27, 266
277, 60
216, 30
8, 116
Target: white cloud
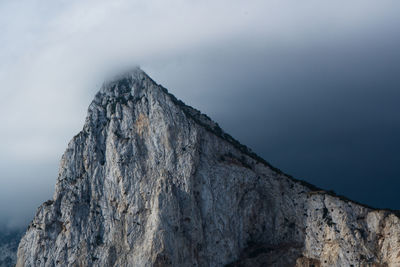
55, 54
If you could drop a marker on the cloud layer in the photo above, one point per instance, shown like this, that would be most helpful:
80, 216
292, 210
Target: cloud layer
312, 87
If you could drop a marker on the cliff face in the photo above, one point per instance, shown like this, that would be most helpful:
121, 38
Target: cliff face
152, 182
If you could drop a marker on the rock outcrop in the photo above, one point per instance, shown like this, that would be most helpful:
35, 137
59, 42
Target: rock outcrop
150, 181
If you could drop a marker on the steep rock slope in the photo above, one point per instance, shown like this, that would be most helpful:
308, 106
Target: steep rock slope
150, 181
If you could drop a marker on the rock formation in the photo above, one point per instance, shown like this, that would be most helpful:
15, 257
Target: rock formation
150, 181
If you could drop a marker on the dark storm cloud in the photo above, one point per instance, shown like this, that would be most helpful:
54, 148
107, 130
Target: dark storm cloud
312, 87
325, 112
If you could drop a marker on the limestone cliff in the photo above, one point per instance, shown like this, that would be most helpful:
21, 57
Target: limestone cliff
150, 181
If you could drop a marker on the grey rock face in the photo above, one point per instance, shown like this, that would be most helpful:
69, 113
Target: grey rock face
152, 182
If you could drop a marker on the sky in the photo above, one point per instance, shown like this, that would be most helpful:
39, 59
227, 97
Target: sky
311, 86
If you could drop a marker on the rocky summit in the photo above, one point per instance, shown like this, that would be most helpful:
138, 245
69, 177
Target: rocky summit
150, 181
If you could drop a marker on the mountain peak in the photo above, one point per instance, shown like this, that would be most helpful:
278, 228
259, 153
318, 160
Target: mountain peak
124, 83
135, 85
133, 74
151, 181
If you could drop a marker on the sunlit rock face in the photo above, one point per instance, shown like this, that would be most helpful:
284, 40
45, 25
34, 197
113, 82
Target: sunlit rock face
150, 181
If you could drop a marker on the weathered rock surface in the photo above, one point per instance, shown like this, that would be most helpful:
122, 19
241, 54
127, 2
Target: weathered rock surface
152, 182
